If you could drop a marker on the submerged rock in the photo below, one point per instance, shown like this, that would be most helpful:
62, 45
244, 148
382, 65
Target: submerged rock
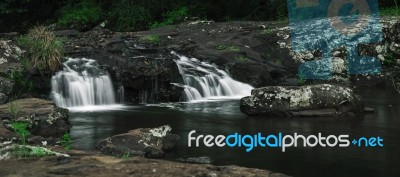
148, 142
43, 117
313, 100
197, 160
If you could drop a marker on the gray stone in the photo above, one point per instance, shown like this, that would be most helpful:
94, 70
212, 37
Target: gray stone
151, 143
313, 100
3, 98
6, 85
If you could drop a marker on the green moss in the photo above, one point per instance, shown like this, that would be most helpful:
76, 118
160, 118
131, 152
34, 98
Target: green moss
24, 151
151, 38
231, 48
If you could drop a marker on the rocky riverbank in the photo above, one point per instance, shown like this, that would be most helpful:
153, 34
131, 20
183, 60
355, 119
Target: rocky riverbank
128, 149
257, 53
91, 164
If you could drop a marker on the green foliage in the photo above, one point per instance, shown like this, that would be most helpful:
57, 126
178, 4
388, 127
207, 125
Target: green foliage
241, 58
152, 38
83, 13
21, 129
268, 31
231, 48
126, 156
66, 141
279, 61
44, 49
302, 80
22, 151
22, 83
389, 58
389, 11
14, 109
172, 17
7, 6
126, 15
16, 75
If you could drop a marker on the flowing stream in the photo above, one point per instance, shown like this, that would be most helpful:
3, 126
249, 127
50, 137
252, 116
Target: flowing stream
204, 81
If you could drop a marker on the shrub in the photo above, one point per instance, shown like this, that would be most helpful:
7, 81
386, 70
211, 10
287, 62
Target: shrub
172, 17
81, 14
389, 11
128, 16
44, 49
21, 129
14, 109
66, 141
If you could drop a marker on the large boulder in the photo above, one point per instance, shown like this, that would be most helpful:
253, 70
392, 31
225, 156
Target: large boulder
43, 117
312, 100
148, 142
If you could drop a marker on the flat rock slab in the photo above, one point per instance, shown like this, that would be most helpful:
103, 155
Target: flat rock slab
100, 165
43, 117
298, 101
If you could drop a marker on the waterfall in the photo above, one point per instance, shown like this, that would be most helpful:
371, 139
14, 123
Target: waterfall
121, 94
204, 81
82, 83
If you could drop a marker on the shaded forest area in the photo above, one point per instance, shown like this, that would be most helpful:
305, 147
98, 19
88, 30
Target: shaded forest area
133, 15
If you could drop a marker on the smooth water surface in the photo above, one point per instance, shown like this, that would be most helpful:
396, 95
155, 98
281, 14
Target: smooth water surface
224, 117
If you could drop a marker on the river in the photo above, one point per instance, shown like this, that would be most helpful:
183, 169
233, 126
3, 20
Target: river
224, 117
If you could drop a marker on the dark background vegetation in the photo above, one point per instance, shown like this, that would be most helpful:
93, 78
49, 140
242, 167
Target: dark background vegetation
133, 15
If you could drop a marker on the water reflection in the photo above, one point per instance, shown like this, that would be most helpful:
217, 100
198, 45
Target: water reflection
225, 118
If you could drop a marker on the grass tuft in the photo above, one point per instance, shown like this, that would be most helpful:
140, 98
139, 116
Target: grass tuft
43, 49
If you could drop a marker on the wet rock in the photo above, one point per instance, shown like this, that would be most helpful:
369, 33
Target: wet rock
66, 33
6, 85
5, 134
43, 117
198, 160
3, 98
151, 143
9, 51
313, 100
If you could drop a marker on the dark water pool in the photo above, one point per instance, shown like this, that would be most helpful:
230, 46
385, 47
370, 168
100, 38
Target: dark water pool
225, 118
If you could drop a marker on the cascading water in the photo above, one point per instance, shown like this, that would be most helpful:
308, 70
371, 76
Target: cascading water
204, 81
82, 83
